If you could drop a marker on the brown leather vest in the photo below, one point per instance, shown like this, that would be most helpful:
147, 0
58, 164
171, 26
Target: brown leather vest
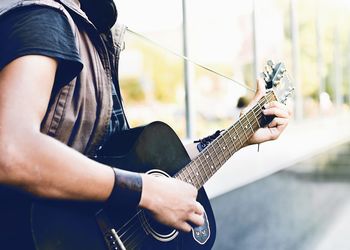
79, 111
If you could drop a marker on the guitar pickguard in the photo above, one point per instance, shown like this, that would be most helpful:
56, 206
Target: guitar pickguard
201, 234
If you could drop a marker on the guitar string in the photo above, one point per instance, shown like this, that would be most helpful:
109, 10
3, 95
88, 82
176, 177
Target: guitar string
251, 113
133, 234
256, 108
129, 242
129, 221
133, 225
239, 131
248, 116
189, 59
244, 128
130, 227
139, 227
135, 239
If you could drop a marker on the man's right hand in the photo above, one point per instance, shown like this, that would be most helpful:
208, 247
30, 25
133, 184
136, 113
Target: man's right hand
172, 202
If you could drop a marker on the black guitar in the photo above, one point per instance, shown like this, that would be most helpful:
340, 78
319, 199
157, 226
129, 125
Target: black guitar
154, 149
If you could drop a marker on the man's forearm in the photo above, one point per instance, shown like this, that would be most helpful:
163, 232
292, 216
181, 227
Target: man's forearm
47, 168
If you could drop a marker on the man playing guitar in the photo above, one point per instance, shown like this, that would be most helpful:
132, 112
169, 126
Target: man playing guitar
55, 113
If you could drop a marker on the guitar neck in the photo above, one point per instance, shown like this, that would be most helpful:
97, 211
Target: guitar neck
213, 157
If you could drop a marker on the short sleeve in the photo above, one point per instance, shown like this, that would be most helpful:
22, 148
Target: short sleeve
39, 30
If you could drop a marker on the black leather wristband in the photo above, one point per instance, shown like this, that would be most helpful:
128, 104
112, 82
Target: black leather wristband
127, 189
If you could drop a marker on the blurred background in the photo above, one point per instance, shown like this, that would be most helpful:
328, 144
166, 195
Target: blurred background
293, 193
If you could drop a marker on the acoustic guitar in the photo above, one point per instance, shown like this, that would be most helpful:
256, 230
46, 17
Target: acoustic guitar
154, 149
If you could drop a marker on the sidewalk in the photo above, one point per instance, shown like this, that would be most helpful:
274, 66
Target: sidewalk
337, 235
300, 141
304, 207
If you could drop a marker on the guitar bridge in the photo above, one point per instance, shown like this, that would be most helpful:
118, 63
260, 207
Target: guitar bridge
109, 234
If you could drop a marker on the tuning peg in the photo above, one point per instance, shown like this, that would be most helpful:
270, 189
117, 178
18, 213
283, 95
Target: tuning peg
276, 83
283, 69
267, 79
267, 68
279, 75
287, 94
270, 63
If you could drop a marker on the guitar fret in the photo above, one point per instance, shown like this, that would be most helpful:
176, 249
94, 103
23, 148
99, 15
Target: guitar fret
199, 174
238, 136
212, 166
218, 159
220, 150
265, 99
250, 123
216, 146
189, 176
256, 118
240, 123
230, 151
246, 126
233, 141
180, 175
206, 168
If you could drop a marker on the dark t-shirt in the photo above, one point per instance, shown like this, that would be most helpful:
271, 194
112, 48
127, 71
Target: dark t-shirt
40, 31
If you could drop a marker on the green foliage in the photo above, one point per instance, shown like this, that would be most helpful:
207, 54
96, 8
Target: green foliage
132, 91
165, 71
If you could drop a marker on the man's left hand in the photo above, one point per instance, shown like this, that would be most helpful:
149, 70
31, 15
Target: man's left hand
281, 113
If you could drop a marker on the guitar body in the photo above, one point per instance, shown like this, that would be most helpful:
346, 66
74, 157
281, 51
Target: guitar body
153, 149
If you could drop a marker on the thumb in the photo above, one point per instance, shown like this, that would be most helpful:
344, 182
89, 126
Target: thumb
260, 92
260, 89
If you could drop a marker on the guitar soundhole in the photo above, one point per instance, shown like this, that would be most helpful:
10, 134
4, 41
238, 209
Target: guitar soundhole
158, 231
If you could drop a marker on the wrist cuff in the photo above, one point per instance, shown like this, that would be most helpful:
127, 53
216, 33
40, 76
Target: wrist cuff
127, 189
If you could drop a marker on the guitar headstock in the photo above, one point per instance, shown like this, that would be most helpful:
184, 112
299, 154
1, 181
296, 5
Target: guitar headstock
276, 78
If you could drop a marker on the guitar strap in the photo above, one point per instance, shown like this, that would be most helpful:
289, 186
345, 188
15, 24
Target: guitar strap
203, 143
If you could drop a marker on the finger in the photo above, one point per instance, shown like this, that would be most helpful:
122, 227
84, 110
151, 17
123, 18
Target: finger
278, 122
278, 112
260, 87
196, 219
260, 92
275, 104
287, 108
184, 226
275, 132
197, 208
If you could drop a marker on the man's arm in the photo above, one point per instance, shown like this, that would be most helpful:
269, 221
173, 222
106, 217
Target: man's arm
31, 160
45, 167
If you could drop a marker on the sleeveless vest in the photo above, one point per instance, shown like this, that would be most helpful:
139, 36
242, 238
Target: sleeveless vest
79, 112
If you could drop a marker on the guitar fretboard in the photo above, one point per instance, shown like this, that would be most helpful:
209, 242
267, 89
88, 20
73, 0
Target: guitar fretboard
211, 159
